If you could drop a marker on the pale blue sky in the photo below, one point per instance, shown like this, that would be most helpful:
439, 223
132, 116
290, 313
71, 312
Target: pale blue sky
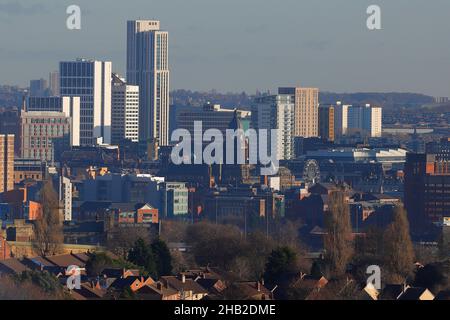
235, 45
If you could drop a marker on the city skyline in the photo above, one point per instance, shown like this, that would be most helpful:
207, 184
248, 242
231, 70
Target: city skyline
322, 52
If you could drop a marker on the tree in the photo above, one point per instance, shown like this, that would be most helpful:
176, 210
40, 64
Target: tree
122, 238
257, 250
97, 263
369, 248
18, 288
398, 247
163, 259
338, 240
431, 277
44, 280
48, 234
217, 245
444, 244
281, 265
141, 254
173, 230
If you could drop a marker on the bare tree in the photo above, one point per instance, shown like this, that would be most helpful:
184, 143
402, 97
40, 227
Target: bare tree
338, 240
48, 234
173, 231
122, 238
398, 247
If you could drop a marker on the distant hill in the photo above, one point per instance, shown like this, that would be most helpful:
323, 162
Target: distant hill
11, 96
386, 100
244, 100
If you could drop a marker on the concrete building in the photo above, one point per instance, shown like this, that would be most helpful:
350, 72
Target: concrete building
44, 133
148, 68
65, 197
212, 116
53, 83
6, 162
38, 88
25, 169
365, 120
137, 214
344, 154
91, 81
326, 122
306, 110
174, 199
276, 112
10, 124
125, 111
427, 186
57, 104
340, 119
122, 188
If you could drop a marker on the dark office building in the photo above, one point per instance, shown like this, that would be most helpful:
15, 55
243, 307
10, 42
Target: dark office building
427, 189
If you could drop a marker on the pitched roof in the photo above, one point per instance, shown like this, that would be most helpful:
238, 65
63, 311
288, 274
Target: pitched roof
146, 206
252, 289
112, 272
392, 291
187, 285
128, 282
65, 260
211, 284
158, 290
371, 291
443, 295
90, 291
12, 266
83, 256
416, 293
40, 262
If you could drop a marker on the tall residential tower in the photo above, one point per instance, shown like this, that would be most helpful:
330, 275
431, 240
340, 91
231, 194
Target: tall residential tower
306, 110
148, 68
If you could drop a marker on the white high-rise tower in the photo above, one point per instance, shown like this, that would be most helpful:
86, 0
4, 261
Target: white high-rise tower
148, 68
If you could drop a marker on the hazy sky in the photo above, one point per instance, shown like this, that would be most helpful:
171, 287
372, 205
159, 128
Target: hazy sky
236, 45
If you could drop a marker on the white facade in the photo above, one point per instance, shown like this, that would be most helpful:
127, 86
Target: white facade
376, 118
65, 197
71, 108
277, 112
91, 81
341, 119
148, 68
125, 111
365, 119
